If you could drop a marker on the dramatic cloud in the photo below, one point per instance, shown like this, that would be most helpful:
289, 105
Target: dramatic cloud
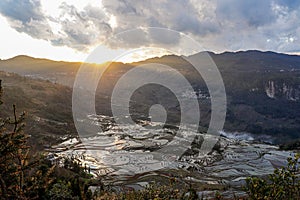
26, 16
253, 13
174, 14
82, 29
219, 25
266, 25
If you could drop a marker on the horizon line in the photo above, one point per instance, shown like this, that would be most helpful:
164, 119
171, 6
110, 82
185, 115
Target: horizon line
216, 53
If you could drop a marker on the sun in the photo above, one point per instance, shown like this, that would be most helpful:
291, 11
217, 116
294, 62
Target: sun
141, 54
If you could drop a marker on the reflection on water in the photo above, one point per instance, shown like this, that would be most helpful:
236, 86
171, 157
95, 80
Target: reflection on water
131, 153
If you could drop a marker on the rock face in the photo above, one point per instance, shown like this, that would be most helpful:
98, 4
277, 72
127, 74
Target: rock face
270, 89
262, 89
282, 90
130, 153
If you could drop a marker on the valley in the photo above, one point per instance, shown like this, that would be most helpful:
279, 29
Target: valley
262, 89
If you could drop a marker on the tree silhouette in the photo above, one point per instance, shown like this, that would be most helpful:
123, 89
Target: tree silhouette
13, 154
24, 176
21, 175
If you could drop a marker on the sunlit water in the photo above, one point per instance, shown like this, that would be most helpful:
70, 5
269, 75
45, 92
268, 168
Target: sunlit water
126, 154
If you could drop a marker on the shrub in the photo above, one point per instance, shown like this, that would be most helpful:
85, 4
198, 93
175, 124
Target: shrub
284, 183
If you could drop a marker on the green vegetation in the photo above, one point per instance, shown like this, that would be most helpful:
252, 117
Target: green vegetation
153, 191
28, 175
284, 183
47, 106
14, 155
294, 145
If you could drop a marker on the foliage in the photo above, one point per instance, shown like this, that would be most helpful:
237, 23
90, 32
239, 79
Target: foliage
284, 183
22, 176
27, 176
60, 190
152, 191
14, 155
294, 145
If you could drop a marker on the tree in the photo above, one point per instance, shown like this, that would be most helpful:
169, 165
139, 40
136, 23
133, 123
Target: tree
284, 183
14, 154
21, 175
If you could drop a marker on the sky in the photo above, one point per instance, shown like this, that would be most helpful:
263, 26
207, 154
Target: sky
71, 29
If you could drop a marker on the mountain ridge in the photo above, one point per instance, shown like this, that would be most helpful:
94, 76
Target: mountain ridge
22, 56
263, 88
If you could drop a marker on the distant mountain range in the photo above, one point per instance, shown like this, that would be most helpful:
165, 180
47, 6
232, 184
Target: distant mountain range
263, 88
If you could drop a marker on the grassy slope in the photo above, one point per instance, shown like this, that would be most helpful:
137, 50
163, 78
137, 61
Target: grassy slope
48, 107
